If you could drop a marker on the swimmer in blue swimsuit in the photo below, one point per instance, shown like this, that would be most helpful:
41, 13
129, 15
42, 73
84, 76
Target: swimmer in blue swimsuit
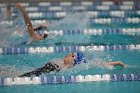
69, 61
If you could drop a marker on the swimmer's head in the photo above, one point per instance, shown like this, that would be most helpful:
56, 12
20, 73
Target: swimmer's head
74, 58
69, 59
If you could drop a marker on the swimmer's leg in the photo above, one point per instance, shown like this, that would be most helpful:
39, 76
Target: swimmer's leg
36, 72
117, 63
46, 69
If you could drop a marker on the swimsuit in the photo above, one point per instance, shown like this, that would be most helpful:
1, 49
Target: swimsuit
49, 67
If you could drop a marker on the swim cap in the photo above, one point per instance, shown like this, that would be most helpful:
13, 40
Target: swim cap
80, 58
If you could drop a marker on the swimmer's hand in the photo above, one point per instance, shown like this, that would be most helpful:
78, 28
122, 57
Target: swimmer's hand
20, 7
116, 63
126, 65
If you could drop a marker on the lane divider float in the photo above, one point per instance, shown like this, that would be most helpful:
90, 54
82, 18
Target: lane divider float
68, 79
32, 50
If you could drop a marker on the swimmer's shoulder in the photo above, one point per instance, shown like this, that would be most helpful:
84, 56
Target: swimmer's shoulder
57, 61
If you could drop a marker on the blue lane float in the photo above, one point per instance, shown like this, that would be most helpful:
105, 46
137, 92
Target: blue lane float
85, 3
135, 20
14, 51
68, 79
78, 7
128, 31
57, 79
125, 77
91, 14
33, 50
1, 81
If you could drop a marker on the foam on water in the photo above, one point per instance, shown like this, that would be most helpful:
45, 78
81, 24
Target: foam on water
13, 71
16, 34
11, 34
72, 21
94, 59
95, 62
8, 71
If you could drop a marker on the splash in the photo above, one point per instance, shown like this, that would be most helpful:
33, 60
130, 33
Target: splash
13, 71
73, 21
10, 30
9, 71
95, 60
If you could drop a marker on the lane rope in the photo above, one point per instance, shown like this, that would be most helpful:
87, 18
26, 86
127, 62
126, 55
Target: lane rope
32, 50
68, 79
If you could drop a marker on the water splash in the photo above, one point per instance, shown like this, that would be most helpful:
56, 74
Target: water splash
10, 30
9, 71
13, 71
72, 21
95, 60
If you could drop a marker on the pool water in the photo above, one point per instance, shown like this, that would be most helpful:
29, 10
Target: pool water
69, 40
24, 63
12, 65
28, 62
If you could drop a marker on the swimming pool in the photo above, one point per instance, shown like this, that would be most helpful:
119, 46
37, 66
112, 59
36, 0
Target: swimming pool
100, 40
25, 62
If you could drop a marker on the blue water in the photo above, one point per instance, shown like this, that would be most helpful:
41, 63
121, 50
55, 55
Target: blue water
14, 65
27, 62
24, 63
89, 40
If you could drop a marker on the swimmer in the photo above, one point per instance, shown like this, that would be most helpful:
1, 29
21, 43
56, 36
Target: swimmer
34, 36
69, 61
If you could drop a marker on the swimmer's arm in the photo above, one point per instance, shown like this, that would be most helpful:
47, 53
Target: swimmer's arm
27, 19
116, 63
